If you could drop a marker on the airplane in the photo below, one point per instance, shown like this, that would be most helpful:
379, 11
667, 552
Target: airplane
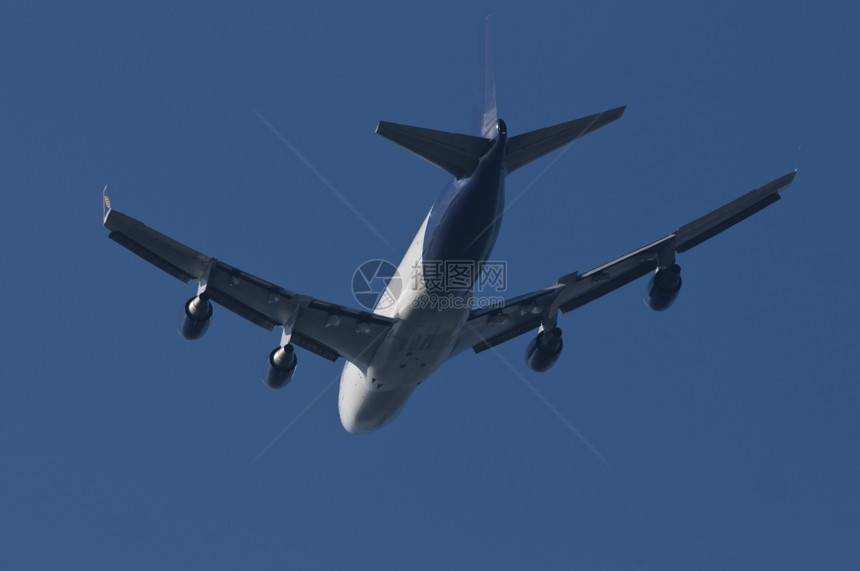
413, 330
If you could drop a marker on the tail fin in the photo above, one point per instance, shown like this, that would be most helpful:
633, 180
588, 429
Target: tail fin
486, 113
527, 147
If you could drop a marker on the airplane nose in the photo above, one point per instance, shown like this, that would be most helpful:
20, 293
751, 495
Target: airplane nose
501, 127
356, 420
362, 410
374, 411
350, 423
352, 385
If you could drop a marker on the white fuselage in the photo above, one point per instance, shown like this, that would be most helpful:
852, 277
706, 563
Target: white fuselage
420, 341
462, 226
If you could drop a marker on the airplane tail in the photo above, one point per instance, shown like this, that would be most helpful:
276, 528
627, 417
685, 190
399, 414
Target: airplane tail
523, 149
459, 154
452, 152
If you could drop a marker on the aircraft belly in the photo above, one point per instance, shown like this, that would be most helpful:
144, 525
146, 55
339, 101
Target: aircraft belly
362, 410
414, 348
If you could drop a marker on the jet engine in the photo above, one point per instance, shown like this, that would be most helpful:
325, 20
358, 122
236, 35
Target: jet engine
543, 351
198, 315
663, 287
282, 364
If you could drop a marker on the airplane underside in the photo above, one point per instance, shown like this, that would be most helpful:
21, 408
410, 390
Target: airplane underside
390, 351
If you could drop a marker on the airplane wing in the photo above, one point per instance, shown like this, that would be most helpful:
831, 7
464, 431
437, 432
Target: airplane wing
492, 326
324, 328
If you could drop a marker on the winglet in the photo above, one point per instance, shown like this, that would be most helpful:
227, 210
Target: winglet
106, 201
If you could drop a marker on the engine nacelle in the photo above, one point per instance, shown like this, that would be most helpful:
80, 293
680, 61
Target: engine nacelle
198, 316
282, 364
543, 351
663, 287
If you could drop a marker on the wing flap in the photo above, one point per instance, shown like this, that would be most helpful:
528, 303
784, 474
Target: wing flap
519, 328
585, 288
726, 216
493, 326
258, 301
173, 257
150, 256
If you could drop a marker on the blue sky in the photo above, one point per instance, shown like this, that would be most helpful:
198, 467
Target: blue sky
729, 423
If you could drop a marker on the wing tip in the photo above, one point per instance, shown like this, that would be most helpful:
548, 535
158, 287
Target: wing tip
779, 184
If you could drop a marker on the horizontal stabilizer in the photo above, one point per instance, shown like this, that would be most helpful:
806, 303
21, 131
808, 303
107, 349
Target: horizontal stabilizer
452, 152
527, 147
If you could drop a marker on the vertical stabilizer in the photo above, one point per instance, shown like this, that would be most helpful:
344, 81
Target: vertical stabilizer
486, 113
